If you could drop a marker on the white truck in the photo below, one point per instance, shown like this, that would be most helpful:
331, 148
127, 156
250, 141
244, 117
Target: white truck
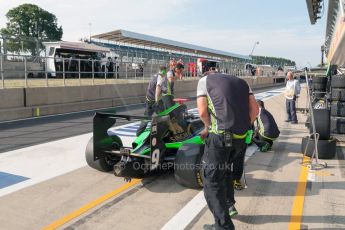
69, 57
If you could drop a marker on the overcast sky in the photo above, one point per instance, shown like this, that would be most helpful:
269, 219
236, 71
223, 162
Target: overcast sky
282, 27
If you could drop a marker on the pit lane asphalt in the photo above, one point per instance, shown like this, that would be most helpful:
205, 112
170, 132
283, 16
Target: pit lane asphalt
266, 204
28, 132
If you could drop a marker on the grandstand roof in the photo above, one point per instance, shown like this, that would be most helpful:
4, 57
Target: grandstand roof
133, 38
77, 46
332, 17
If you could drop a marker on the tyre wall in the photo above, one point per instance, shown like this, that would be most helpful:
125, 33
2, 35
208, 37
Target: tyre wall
338, 104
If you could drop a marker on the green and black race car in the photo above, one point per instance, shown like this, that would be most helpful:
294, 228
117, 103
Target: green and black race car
171, 140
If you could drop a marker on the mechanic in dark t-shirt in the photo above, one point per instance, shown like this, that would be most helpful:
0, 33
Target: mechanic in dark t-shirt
175, 74
267, 130
160, 82
227, 108
158, 87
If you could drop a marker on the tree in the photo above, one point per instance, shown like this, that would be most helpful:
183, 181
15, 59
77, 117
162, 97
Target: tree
273, 61
27, 25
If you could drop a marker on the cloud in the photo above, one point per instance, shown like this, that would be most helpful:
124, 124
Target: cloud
104, 15
296, 44
158, 18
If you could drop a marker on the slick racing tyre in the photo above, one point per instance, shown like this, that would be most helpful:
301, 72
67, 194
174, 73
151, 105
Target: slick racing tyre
318, 95
338, 125
326, 148
338, 94
104, 164
338, 109
319, 87
338, 81
188, 165
320, 80
322, 123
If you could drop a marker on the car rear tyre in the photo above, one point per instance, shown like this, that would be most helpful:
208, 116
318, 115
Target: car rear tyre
188, 167
105, 164
326, 148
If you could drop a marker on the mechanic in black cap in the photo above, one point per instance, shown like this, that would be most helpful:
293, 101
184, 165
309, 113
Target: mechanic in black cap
227, 108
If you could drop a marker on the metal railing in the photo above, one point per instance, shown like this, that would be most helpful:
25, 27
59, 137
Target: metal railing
37, 71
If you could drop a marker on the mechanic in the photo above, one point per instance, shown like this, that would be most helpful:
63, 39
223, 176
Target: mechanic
237, 170
238, 164
227, 108
175, 74
172, 64
267, 130
157, 92
158, 85
292, 90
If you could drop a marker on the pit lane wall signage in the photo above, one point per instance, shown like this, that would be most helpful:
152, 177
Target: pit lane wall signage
337, 49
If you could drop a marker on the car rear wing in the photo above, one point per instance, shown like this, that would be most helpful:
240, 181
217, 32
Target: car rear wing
121, 116
102, 142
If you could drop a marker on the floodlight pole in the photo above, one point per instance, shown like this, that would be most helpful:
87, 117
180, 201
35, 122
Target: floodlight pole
90, 24
256, 43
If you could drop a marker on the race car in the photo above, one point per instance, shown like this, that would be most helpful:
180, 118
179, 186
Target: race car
170, 140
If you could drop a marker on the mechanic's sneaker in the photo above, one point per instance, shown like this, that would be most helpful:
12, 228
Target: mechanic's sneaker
232, 211
287, 120
238, 185
266, 147
209, 227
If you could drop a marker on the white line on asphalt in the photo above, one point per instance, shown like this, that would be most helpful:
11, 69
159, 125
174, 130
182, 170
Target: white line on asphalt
251, 150
187, 213
181, 220
48, 160
45, 161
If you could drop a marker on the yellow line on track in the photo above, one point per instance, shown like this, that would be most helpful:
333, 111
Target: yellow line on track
297, 207
92, 204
